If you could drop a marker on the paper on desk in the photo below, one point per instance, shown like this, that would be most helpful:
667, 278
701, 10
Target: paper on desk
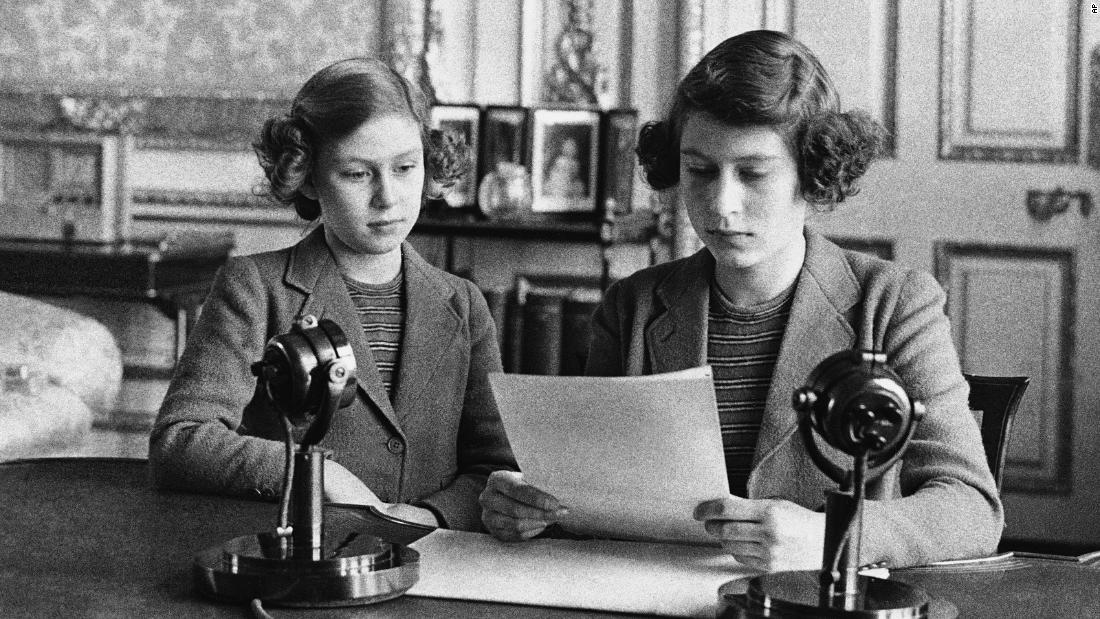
631, 457
629, 577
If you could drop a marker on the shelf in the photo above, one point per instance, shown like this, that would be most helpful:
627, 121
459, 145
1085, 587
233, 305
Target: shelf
587, 231
639, 227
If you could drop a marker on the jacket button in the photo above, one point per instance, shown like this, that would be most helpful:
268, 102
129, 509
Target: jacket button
395, 445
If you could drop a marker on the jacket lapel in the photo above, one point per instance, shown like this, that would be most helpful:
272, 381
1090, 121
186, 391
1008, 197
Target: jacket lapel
431, 326
313, 270
817, 328
677, 337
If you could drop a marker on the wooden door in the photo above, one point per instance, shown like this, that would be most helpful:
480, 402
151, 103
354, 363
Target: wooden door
988, 102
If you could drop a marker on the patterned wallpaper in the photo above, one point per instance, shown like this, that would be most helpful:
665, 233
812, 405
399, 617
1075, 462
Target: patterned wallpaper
173, 47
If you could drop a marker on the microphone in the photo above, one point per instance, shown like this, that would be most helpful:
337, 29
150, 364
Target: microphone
306, 375
859, 406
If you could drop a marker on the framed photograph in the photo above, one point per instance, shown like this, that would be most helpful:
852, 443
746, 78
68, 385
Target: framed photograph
618, 136
564, 160
504, 137
464, 120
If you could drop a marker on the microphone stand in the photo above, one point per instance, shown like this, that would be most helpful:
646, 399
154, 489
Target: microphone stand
856, 403
307, 374
839, 577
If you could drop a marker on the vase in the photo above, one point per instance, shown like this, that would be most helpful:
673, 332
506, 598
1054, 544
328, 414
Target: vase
505, 193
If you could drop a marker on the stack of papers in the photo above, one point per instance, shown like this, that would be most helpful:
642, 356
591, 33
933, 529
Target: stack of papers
629, 577
631, 457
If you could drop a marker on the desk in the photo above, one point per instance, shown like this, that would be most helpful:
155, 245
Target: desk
174, 277
90, 537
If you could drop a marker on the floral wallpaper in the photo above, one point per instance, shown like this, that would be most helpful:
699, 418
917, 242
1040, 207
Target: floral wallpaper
172, 47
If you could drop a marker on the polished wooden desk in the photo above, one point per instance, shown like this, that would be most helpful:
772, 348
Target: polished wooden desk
174, 276
90, 537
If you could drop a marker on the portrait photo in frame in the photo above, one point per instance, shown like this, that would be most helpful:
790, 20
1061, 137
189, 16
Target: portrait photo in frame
565, 160
504, 137
618, 137
465, 121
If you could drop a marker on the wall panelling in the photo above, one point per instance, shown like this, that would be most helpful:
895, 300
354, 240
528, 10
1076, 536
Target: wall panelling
226, 48
1008, 81
859, 52
1012, 312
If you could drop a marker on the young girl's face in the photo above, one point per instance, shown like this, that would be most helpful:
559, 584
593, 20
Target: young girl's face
739, 185
369, 184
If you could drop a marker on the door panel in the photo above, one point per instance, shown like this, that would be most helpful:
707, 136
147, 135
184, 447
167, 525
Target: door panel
1009, 81
860, 56
1026, 332
988, 99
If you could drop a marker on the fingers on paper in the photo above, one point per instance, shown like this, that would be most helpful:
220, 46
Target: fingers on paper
738, 531
510, 485
520, 509
729, 508
748, 553
508, 528
738, 523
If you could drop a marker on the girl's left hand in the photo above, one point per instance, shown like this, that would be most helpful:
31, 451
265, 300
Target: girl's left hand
767, 534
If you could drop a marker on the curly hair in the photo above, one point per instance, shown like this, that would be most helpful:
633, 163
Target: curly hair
332, 104
769, 78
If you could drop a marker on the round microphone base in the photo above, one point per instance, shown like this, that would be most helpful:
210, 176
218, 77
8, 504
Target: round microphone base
796, 595
348, 570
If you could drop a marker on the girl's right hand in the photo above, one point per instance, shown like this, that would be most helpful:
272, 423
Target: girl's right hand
514, 510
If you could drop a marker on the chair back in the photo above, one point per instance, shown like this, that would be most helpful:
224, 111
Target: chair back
997, 398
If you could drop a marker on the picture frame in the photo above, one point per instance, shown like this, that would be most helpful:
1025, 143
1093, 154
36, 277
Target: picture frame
504, 137
64, 185
618, 137
565, 145
464, 120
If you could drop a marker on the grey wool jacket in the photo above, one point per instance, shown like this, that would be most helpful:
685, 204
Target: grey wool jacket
435, 444
940, 502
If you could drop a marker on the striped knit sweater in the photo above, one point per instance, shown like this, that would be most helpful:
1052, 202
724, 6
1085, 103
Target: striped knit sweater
742, 348
382, 315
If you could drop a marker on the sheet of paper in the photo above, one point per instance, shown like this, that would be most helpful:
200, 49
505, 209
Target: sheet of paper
629, 577
630, 457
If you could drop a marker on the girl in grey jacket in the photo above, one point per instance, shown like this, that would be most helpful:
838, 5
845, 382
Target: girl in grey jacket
754, 139
356, 153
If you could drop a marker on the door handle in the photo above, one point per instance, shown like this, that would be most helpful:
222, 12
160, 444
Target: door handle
1043, 205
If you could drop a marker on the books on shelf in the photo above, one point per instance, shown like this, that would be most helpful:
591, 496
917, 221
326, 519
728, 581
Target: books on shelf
542, 333
576, 319
543, 323
512, 351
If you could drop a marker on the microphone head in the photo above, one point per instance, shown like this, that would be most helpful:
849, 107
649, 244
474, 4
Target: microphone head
858, 404
294, 366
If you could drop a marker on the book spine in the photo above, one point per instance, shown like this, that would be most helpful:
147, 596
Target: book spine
542, 326
576, 332
512, 356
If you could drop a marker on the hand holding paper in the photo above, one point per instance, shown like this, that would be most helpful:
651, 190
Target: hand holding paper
630, 457
766, 534
513, 510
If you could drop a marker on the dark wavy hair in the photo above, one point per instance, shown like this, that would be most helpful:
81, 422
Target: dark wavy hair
332, 104
764, 77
